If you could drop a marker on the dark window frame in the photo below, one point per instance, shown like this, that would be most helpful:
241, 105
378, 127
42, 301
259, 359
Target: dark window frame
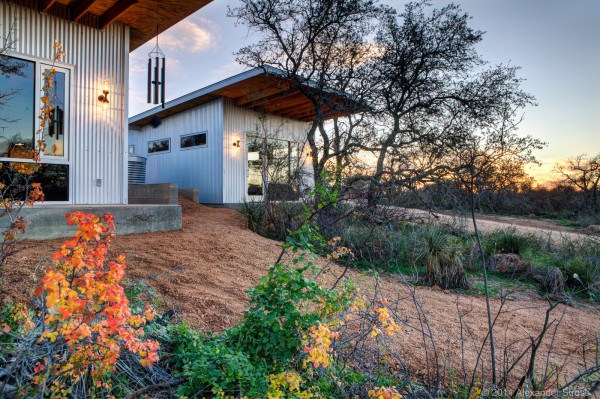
183, 136
159, 151
47, 160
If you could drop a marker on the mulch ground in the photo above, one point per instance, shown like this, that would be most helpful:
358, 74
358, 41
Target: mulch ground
203, 270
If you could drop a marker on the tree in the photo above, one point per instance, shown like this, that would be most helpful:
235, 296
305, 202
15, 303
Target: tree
474, 161
583, 173
427, 78
320, 47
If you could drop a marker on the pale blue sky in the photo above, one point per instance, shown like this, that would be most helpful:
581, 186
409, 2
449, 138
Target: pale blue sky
556, 42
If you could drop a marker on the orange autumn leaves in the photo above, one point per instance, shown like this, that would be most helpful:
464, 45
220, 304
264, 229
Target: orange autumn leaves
87, 306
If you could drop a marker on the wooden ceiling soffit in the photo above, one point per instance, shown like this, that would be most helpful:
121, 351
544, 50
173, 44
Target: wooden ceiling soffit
115, 12
292, 106
295, 99
299, 115
328, 113
258, 95
273, 99
298, 111
327, 116
80, 8
46, 4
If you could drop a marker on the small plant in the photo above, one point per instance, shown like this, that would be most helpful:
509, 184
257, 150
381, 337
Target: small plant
508, 241
281, 308
210, 365
442, 256
85, 320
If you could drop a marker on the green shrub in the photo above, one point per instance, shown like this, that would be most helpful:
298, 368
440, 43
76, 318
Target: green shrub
281, 309
584, 273
443, 257
508, 241
210, 365
579, 260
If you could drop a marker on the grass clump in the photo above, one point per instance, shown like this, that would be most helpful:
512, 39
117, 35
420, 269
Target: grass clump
508, 241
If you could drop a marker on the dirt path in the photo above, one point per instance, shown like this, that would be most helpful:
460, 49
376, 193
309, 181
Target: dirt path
545, 229
203, 270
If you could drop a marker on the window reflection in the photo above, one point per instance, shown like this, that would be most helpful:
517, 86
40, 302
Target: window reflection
17, 107
54, 132
274, 162
54, 179
255, 165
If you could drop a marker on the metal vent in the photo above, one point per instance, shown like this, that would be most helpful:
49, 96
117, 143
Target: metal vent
137, 170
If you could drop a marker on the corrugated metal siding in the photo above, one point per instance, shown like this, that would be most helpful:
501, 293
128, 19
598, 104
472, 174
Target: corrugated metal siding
199, 167
98, 142
237, 122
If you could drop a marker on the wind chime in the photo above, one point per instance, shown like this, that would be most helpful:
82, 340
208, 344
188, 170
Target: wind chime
156, 71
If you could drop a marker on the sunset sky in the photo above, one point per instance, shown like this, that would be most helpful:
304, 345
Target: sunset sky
556, 42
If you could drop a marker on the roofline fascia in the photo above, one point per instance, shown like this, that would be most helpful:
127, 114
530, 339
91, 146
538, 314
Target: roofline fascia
204, 91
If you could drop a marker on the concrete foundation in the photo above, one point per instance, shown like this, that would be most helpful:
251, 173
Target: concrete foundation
48, 221
191, 193
162, 193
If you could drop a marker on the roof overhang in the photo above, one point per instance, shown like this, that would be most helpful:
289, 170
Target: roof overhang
260, 91
139, 15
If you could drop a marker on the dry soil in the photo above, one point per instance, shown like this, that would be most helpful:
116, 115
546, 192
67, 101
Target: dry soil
203, 270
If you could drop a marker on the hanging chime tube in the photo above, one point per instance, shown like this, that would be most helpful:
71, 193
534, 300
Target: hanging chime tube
156, 82
162, 83
149, 80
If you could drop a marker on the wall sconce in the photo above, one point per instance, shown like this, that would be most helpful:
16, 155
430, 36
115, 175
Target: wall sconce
236, 143
103, 98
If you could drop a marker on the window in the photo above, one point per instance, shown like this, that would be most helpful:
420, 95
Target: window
162, 145
17, 108
54, 132
20, 103
275, 163
193, 140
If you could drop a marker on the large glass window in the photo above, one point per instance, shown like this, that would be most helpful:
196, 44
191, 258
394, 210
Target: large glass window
274, 162
20, 101
17, 107
16, 177
256, 156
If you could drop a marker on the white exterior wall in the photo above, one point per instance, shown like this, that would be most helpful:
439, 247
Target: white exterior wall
198, 167
237, 123
97, 138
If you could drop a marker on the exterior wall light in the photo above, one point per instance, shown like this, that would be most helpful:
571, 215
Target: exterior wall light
103, 98
236, 143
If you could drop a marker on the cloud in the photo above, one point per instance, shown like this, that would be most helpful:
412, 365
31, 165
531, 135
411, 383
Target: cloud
192, 35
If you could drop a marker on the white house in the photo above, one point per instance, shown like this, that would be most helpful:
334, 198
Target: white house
86, 158
238, 139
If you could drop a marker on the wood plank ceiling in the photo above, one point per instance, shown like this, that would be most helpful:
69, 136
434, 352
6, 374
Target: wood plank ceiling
269, 94
140, 15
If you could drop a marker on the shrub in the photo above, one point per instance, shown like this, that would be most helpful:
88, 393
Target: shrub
442, 256
281, 309
583, 273
579, 260
554, 281
254, 212
210, 365
508, 241
272, 219
85, 319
